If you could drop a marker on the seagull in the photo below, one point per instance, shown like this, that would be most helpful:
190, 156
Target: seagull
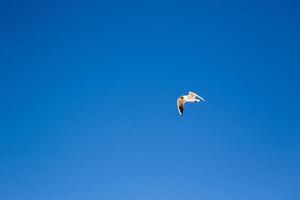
191, 98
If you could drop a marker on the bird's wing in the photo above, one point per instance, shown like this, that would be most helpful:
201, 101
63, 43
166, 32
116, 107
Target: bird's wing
180, 106
193, 95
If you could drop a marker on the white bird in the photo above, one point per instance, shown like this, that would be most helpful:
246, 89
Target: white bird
190, 98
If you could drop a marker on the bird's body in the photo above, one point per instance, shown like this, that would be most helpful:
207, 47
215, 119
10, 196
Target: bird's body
190, 98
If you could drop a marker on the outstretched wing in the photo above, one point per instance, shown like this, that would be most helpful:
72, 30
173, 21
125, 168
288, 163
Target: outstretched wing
193, 95
180, 106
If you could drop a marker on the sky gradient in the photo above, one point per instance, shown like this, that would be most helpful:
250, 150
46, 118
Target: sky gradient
88, 100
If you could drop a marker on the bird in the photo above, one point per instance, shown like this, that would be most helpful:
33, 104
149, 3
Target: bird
190, 98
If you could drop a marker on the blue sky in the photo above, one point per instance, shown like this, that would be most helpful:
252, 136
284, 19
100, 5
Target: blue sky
88, 100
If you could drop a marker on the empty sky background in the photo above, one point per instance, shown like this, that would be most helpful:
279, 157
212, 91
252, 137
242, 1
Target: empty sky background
88, 95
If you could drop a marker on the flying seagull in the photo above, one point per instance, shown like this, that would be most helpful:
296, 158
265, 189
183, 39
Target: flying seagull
191, 98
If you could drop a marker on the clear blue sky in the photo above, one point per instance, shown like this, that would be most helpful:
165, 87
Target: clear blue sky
88, 100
